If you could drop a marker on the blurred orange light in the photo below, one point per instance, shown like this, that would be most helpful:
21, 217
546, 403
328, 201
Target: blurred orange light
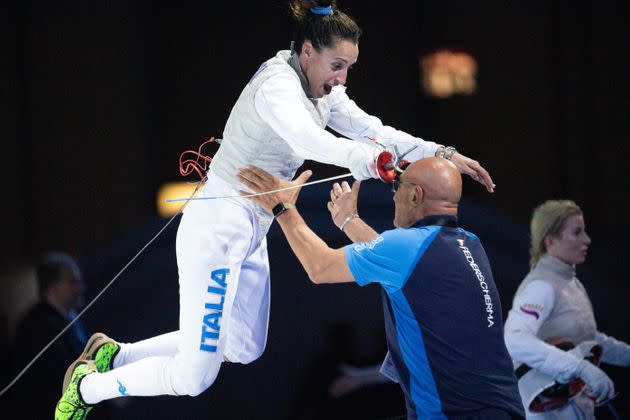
170, 191
446, 73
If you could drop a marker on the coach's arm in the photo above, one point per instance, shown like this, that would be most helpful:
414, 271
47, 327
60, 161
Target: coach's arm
322, 263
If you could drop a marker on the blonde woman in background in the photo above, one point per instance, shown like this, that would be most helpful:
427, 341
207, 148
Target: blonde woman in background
551, 303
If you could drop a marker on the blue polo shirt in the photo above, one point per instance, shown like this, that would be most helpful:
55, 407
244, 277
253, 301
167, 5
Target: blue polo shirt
442, 318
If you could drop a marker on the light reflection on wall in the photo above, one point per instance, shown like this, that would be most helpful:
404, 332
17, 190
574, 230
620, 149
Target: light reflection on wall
446, 73
18, 291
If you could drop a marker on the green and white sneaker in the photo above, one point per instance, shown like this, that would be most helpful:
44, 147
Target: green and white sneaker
102, 350
71, 405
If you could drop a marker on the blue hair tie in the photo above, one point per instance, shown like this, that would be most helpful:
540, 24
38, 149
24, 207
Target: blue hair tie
322, 10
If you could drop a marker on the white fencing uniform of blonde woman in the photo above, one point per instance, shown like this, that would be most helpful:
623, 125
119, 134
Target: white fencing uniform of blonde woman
552, 303
221, 246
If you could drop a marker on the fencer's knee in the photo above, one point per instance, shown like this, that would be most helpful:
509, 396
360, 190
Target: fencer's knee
252, 356
191, 379
245, 357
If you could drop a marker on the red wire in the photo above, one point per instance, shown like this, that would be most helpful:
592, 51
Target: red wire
199, 164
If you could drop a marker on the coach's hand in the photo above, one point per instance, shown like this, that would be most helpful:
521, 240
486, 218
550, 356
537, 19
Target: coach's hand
343, 201
261, 181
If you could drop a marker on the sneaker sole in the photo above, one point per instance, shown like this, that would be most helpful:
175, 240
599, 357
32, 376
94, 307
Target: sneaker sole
70, 371
89, 351
93, 344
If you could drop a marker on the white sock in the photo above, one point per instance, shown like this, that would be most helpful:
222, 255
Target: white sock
143, 378
161, 345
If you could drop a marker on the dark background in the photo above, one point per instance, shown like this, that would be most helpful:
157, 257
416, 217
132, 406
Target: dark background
98, 99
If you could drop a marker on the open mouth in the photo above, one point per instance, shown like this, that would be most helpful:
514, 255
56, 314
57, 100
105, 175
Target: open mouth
327, 89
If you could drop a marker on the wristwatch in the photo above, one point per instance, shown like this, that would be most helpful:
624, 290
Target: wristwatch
280, 208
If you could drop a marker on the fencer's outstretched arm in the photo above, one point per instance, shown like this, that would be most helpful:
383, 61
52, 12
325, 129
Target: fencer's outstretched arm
351, 121
322, 263
278, 103
348, 119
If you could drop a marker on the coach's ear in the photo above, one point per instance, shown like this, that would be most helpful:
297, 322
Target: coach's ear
418, 196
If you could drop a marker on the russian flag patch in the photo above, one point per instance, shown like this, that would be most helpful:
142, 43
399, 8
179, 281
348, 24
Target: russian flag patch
530, 312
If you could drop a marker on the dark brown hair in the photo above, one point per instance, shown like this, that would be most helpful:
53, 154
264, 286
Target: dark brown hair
322, 30
50, 268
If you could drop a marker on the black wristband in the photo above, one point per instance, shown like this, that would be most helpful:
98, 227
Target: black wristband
280, 208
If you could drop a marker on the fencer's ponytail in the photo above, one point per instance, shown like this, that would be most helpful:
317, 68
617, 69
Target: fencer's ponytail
322, 23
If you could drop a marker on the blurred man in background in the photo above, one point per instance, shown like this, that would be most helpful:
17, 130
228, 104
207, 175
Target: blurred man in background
61, 291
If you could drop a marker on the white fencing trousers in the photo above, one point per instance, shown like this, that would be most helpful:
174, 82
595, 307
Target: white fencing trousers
224, 293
